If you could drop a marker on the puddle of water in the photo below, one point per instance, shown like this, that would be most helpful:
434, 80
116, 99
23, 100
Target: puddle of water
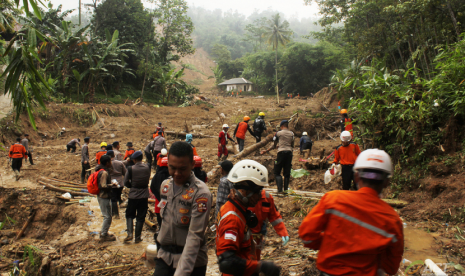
118, 228
419, 245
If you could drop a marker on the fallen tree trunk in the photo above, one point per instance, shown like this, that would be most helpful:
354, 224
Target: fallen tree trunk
195, 135
53, 188
247, 151
243, 154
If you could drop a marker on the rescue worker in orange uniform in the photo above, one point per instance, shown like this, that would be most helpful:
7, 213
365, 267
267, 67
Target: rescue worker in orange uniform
234, 242
101, 152
127, 155
240, 131
346, 123
17, 153
346, 154
266, 210
158, 129
129, 151
356, 232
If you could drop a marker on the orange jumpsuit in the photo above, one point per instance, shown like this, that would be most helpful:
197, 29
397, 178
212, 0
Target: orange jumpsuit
232, 234
266, 210
356, 232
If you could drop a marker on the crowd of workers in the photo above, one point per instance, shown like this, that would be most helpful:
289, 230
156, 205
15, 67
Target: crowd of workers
355, 232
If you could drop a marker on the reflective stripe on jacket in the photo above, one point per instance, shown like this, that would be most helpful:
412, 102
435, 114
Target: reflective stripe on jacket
356, 232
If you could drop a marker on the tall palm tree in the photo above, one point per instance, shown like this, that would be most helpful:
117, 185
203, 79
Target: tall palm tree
277, 33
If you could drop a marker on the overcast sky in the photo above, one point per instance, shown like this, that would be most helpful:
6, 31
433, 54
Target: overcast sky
288, 7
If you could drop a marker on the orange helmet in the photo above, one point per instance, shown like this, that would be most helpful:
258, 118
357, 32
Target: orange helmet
198, 161
246, 118
344, 111
164, 162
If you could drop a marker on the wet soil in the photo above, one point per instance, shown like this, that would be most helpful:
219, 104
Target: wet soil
67, 235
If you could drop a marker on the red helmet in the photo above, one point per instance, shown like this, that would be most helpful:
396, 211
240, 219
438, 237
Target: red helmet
198, 161
164, 162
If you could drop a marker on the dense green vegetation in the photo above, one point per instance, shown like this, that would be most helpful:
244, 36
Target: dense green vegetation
51, 58
406, 82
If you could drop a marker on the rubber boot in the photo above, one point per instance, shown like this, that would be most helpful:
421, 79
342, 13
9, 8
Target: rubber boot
115, 210
279, 183
130, 228
17, 175
286, 184
139, 226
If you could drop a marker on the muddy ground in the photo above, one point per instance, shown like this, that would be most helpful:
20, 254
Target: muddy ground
63, 239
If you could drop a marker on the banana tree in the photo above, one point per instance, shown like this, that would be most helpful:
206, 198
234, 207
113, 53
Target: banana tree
24, 82
104, 60
64, 44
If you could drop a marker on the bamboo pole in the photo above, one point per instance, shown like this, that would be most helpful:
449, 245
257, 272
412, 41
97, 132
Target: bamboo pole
25, 225
53, 188
111, 267
150, 224
59, 180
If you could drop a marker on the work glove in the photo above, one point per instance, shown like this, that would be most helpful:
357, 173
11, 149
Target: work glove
269, 268
285, 240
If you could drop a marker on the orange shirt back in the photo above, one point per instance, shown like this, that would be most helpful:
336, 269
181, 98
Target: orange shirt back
99, 155
346, 155
17, 151
356, 232
241, 130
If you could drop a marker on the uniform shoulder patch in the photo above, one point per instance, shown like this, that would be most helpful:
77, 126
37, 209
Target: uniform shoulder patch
202, 204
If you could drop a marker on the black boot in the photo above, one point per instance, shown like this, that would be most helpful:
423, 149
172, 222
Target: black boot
286, 184
279, 183
115, 210
138, 232
130, 228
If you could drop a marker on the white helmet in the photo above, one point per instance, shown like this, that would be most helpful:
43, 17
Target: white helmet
249, 170
346, 136
225, 126
64, 129
374, 159
164, 152
305, 133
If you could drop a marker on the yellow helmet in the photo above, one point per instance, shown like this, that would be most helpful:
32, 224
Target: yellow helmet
103, 144
344, 111
261, 114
